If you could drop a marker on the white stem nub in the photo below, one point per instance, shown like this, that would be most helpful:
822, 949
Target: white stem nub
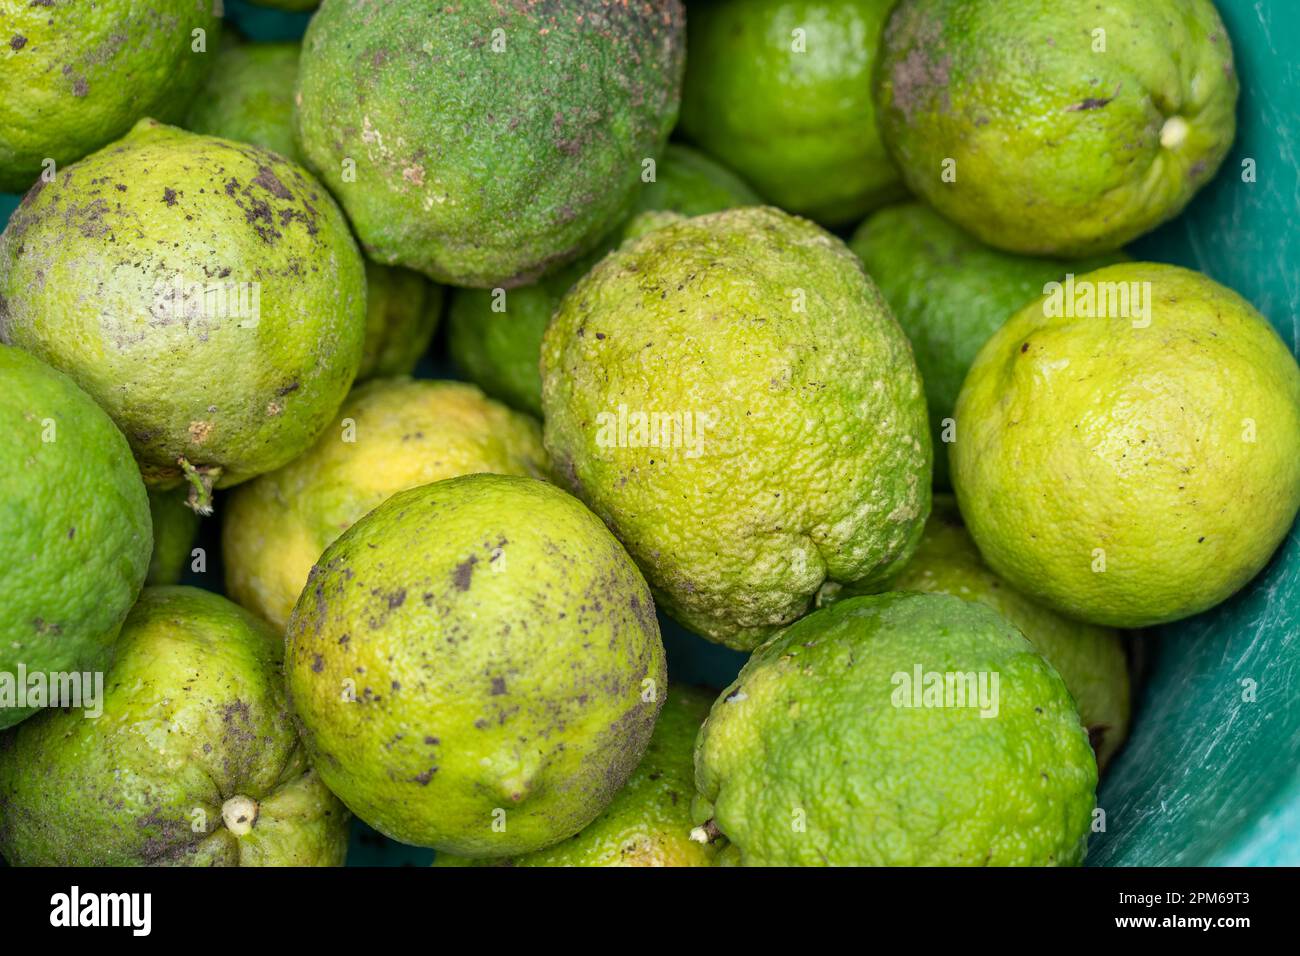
1174, 132
239, 814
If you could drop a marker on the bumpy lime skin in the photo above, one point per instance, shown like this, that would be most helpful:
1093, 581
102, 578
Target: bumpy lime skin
1090, 659
798, 123
808, 455
806, 760
950, 292
500, 349
74, 525
249, 97
89, 270
174, 526
1131, 475
1059, 149
476, 665
74, 77
194, 714
492, 142
403, 433
649, 822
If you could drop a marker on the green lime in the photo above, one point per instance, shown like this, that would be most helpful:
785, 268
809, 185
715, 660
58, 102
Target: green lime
731, 394
389, 435
174, 526
780, 90
1128, 447
949, 292
74, 530
192, 761
1057, 127
496, 336
471, 681
206, 293
899, 729
1090, 659
402, 313
487, 144
73, 79
649, 822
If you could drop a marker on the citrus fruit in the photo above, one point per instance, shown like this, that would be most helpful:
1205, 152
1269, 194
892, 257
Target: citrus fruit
949, 292
206, 293
476, 665
74, 529
780, 90
649, 822
248, 96
75, 79
402, 312
1090, 659
898, 729
389, 435
194, 760
731, 394
174, 527
1057, 127
1128, 447
495, 336
481, 143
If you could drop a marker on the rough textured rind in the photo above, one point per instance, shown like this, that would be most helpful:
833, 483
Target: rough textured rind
493, 141
806, 760
194, 714
88, 272
500, 350
476, 665
1057, 146
649, 822
74, 526
1124, 475
404, 433
1091, 660
950, 292
813, 456
75, 76
781, 91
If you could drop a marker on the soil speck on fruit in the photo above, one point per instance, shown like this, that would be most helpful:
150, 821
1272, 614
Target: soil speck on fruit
464, 572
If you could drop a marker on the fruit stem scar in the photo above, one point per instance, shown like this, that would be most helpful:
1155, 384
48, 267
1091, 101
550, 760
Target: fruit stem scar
706, 833
201, 479
1174, 132
239, 814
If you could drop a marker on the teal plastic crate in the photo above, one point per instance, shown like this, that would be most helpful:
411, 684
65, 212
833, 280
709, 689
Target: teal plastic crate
1211, 772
